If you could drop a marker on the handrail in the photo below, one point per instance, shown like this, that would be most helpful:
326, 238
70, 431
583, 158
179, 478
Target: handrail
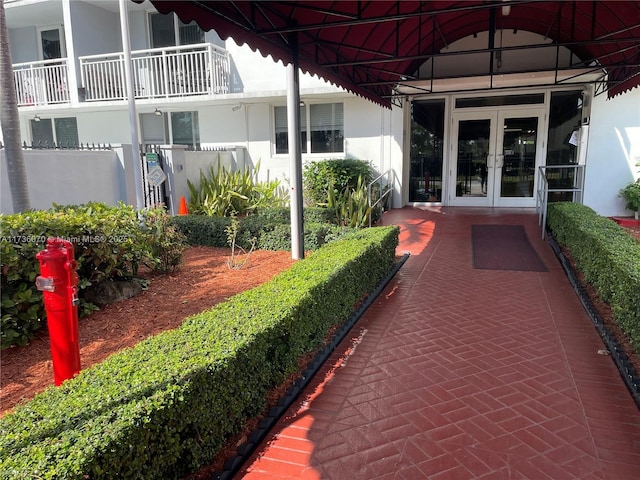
42, 82
542, 195
198, 69
382, 192
146, 51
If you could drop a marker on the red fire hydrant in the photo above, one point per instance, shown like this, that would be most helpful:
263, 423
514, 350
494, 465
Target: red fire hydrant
58, 281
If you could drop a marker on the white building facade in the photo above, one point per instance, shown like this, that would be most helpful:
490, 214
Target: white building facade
468, 147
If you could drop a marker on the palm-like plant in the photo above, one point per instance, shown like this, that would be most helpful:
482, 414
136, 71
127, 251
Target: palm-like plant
10, 124
223, 192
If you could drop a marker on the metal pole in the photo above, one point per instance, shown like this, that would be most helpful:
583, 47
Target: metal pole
295, 154
131, 99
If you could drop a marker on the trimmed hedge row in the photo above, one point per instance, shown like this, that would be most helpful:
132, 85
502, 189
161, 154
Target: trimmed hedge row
270, 227
608, 257
165, 407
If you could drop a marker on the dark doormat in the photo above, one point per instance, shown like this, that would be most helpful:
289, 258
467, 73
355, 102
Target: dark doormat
504, 247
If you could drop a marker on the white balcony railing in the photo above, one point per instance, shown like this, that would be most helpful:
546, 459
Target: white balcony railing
201, 69
41, 83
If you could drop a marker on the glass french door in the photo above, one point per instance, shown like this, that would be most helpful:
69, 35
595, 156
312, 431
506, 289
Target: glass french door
495, 155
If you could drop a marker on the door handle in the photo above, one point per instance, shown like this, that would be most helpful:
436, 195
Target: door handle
500, 160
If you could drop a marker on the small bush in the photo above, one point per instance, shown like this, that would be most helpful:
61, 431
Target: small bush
318, 176
631, 195
165, 241
315, 236
270, 226
608, 257
109, 243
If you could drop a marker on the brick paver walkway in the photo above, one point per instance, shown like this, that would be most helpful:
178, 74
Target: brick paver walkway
456, 373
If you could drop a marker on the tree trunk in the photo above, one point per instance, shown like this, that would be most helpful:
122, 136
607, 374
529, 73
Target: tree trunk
10, 124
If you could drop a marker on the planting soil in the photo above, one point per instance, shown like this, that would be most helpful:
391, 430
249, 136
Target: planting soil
203, 280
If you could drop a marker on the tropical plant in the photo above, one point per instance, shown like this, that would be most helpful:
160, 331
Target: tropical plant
10, 124
223, 192
351, 205
631, 195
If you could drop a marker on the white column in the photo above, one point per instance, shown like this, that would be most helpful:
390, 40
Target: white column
293, 126
72, 79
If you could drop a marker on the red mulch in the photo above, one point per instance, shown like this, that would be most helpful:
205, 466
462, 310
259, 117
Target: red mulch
202, 281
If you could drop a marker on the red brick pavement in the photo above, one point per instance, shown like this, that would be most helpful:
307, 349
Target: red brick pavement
456, 373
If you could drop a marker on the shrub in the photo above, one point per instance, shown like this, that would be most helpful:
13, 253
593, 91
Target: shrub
203, 230
166, 406
165, 241
270, 226
315, 236
608, 257
631, 195
109, 243
318, 176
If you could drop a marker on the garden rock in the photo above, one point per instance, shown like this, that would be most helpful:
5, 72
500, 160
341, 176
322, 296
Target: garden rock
112, 291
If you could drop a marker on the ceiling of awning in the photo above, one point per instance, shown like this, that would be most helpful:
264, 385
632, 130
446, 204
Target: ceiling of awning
369, 47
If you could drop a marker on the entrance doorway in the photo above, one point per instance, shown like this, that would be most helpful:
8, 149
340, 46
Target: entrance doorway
495, 155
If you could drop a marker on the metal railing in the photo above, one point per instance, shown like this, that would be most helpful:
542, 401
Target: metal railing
561, 176
41, 83
379, 189
201, 69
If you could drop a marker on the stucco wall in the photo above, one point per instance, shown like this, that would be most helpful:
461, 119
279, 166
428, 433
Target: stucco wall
67, 177
613, 151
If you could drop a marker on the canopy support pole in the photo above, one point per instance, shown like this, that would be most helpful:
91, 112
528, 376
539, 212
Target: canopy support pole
131, 101
295, 154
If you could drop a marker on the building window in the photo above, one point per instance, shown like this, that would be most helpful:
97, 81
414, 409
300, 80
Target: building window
51, 43
327, 128
325, 123
185, 129
62, 132
170, 31
282, 133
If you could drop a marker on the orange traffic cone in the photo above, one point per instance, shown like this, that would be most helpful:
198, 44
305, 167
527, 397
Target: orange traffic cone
183, 210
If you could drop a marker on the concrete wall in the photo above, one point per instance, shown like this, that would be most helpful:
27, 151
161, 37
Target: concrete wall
23, 43
613, 151
70, 177
67, 177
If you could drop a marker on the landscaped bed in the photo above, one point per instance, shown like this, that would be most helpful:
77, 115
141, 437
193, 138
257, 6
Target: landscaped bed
202, 281
164, 407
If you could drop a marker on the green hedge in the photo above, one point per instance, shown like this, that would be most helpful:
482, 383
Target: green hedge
165, 407
608, 257
270, 227
108, 241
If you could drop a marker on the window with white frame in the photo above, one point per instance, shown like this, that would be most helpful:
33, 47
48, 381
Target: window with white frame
322, 131
47, 132
169, 31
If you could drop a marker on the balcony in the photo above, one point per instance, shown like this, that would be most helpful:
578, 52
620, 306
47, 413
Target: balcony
201, 69
41, 83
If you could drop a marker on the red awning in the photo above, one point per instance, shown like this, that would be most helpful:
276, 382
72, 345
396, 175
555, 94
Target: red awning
368, 47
